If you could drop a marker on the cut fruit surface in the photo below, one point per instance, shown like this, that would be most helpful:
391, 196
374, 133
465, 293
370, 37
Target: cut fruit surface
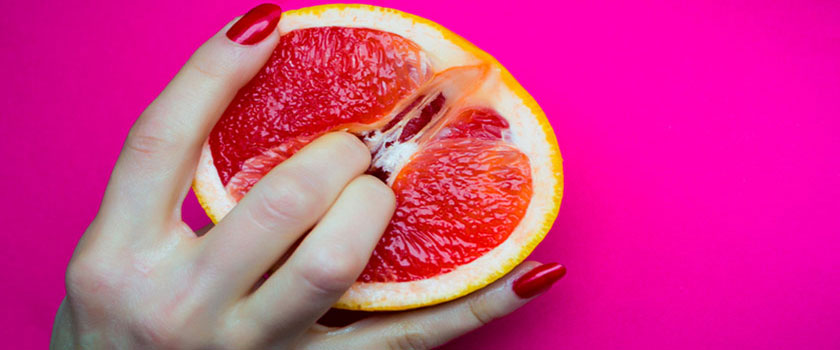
315, 80
470, 156
456, 200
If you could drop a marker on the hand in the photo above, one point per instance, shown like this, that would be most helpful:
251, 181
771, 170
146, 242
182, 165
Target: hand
141, 278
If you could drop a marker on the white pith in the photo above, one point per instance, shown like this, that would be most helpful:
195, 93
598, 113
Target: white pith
525, 133
395, 157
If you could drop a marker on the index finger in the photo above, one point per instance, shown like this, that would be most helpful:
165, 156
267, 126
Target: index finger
155, 168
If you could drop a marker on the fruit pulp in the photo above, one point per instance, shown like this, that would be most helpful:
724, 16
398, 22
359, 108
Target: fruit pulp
461, 194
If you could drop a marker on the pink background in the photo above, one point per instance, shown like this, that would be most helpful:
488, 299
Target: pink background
700, 144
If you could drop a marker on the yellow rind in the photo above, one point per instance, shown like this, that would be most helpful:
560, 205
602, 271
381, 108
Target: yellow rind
204, 203
528, 101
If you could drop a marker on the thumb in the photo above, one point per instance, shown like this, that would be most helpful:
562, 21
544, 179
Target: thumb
434, 326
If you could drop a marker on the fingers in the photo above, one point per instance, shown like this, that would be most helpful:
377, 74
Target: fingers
155, 167
278, 210
328, 260
432, 327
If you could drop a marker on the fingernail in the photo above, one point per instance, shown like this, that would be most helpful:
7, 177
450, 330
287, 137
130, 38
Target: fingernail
255, 25
538, 280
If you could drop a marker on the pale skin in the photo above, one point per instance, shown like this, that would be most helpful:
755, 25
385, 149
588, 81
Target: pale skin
140, 278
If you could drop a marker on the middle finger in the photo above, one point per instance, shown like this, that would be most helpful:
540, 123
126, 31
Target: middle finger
277, 211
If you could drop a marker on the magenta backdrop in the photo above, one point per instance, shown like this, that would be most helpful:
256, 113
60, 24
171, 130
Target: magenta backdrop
700, 144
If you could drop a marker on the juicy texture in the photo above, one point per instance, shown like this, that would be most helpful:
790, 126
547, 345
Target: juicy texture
316, 80
478, 123
456, 200
460, 196
253, 169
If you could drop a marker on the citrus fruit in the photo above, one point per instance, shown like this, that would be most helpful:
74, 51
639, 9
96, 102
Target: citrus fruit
469, 154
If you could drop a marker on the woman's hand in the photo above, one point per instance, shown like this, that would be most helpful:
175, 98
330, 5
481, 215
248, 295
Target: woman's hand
141, 278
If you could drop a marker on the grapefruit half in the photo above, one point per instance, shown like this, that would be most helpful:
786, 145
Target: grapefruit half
470, 155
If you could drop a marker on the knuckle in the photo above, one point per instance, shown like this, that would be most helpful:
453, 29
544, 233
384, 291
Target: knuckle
408, 338
289, 199
87, 278
331, 270
209, 66
374, 191
352, 149
143, 140
479, 311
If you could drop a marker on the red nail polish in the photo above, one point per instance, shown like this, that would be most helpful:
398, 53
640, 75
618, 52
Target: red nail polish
255, 25
538, 280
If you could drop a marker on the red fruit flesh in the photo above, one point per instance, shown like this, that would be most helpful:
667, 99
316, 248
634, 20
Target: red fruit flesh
478, 123
456, 200
256, 167
415, 125
399, 117
315, 80
461, 195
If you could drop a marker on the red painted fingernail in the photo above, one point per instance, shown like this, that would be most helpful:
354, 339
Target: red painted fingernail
538, 280
255, 25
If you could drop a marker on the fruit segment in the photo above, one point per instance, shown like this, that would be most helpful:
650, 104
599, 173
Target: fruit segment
477, 123
456, 200
253, 169
462, 187
315, 80
416, 123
